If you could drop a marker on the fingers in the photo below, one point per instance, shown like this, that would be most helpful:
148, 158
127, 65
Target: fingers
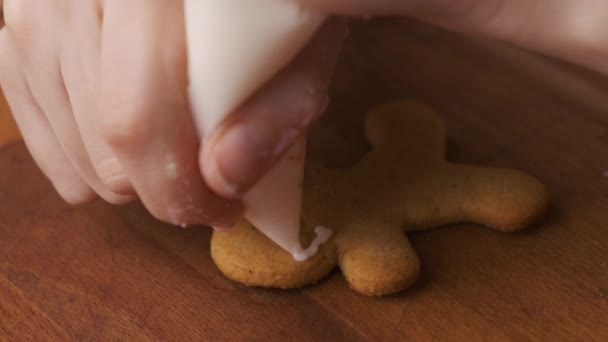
573, 30
260, 132
36, 30
36, 132
80, 50
143, 112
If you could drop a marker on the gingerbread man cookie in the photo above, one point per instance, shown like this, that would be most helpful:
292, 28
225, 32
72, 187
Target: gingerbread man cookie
404, 184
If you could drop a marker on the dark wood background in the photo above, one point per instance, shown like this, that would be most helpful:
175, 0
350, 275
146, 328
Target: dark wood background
100, 272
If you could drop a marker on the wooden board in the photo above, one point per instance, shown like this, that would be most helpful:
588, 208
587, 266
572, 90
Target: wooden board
101, 272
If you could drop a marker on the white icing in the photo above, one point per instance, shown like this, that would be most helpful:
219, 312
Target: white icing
234, 47
323, 235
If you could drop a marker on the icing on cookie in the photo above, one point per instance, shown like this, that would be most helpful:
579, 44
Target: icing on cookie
323, 234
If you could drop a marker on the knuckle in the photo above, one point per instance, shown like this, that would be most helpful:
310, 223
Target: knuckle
124, 120
17, 14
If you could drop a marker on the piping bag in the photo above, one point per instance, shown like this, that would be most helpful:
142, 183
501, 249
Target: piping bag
234, 48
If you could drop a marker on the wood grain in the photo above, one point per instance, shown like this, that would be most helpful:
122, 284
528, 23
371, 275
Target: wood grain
99, 272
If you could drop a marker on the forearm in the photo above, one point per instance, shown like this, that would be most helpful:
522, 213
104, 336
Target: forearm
572, 30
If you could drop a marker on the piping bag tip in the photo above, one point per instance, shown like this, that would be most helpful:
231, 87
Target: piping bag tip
322, 236
274, 205
234, 47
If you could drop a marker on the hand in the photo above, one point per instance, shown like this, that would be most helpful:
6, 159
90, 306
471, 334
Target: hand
573, 30
98, 89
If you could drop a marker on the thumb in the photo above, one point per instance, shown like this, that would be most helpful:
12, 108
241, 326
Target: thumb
262, 130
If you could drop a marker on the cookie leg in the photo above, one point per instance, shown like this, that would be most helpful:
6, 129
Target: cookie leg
379, 260
247, 256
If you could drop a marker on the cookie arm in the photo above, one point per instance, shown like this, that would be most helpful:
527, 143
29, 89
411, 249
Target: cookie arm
504, 200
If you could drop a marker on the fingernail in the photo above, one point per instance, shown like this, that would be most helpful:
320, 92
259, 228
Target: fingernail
217, 180
242, 153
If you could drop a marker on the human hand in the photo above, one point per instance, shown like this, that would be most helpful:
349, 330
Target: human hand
98, 89
572, 30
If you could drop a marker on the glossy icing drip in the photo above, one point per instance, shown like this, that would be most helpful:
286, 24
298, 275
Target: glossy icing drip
322, 236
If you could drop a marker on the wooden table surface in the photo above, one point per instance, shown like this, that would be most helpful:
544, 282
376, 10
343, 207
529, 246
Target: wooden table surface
99, 272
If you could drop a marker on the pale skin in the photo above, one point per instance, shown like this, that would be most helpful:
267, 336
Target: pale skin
100, 98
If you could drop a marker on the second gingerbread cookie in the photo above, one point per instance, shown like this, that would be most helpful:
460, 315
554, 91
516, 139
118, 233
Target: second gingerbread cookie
404, 184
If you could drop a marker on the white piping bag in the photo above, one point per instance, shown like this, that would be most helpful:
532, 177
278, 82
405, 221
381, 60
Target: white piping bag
234, 47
